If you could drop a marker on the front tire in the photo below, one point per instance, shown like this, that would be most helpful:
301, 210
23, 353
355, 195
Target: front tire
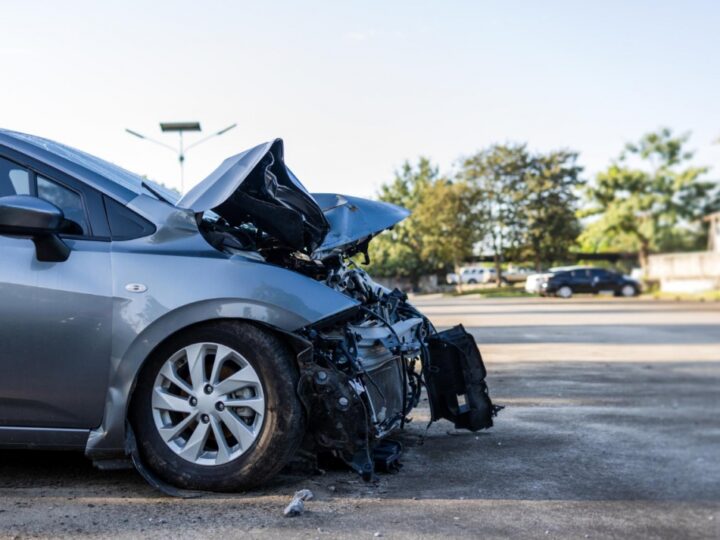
564, 292
216, 408
627, 291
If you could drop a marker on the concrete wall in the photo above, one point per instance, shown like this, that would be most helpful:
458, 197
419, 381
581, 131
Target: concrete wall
686, 272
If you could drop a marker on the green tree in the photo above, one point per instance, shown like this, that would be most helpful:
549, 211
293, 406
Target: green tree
648, 197
549, 206
446, 223
438, 234
498, 175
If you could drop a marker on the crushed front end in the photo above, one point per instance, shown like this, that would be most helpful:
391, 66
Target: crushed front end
367, 370
364, 370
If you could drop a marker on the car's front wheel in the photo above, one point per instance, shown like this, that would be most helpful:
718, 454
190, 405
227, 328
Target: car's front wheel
216, 408
564, 292
628, 290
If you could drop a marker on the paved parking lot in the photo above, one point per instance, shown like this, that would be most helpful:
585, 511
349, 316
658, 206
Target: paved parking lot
612, 429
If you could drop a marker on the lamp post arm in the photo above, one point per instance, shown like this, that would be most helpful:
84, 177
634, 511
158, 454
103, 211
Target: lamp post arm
221, 132
144, 137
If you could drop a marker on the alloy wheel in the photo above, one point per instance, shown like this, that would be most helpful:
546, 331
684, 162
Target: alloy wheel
628, 290
208, 404
564, 292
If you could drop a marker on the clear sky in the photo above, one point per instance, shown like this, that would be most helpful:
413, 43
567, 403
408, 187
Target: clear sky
355, 88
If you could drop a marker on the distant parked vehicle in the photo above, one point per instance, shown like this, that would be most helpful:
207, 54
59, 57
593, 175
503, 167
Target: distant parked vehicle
487, 274
472, 275
533, 283
516, 274
565, 283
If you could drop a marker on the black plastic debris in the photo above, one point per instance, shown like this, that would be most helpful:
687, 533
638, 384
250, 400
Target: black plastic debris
455, 378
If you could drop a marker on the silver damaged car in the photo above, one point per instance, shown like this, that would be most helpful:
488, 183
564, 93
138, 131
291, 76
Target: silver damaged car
210, 339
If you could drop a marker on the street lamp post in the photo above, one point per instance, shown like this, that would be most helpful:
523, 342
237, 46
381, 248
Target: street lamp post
180, 128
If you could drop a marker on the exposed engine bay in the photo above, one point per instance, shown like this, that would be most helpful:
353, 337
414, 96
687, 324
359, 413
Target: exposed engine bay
367, 373
364, 369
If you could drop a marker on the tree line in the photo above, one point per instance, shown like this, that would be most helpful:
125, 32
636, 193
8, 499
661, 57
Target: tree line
537, 207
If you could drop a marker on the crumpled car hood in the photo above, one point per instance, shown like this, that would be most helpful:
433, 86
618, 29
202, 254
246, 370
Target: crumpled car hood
353, 221
256, 186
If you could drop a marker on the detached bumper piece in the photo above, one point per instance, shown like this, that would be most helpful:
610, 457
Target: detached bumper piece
455, 379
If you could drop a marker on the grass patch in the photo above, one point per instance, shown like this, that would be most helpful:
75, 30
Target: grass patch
495, 292
708, 296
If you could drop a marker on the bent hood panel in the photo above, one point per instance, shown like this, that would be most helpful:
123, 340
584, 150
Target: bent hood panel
354, 220
257, 186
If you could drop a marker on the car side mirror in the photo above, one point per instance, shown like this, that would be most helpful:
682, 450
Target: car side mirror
23, 215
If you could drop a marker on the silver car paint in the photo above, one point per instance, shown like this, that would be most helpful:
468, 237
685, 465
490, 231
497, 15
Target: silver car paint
189, 282
354, 220
78, 320
56, 335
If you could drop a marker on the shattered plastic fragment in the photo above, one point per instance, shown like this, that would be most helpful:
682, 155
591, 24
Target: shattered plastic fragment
297, 505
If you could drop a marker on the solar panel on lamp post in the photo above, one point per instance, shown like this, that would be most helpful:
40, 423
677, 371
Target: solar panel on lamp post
180, 128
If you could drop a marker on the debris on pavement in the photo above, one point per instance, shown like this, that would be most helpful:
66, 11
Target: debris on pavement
297, 505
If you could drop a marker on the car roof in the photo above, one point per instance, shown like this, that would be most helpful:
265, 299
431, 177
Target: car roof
96, 172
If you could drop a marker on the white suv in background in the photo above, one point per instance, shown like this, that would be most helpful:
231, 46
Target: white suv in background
472, 275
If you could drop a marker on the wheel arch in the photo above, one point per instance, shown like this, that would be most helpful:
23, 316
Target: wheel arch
107, 441
295, 344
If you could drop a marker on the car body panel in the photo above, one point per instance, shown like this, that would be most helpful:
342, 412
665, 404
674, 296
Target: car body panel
56, 321
236, 287
43, 438
354, 220
257, 184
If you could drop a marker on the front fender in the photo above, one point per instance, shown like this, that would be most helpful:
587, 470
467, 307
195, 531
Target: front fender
182, 290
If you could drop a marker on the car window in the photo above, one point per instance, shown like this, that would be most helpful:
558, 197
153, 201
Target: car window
124, 178
599, 272
124, 223
68, 201
14, 179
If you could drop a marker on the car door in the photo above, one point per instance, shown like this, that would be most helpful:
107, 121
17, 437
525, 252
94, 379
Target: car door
55, 317
602, 280
580, 281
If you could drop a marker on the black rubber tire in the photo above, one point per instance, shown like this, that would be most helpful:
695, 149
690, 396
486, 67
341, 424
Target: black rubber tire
619, 292
284, 423
561, 287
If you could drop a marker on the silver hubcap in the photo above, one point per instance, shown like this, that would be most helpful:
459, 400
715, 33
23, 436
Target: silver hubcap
627, 290
208, 404
565, 292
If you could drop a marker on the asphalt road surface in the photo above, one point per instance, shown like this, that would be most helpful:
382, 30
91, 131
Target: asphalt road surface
611, 430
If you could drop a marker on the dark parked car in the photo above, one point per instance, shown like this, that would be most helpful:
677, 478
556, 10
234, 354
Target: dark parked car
209, 337
589, 280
